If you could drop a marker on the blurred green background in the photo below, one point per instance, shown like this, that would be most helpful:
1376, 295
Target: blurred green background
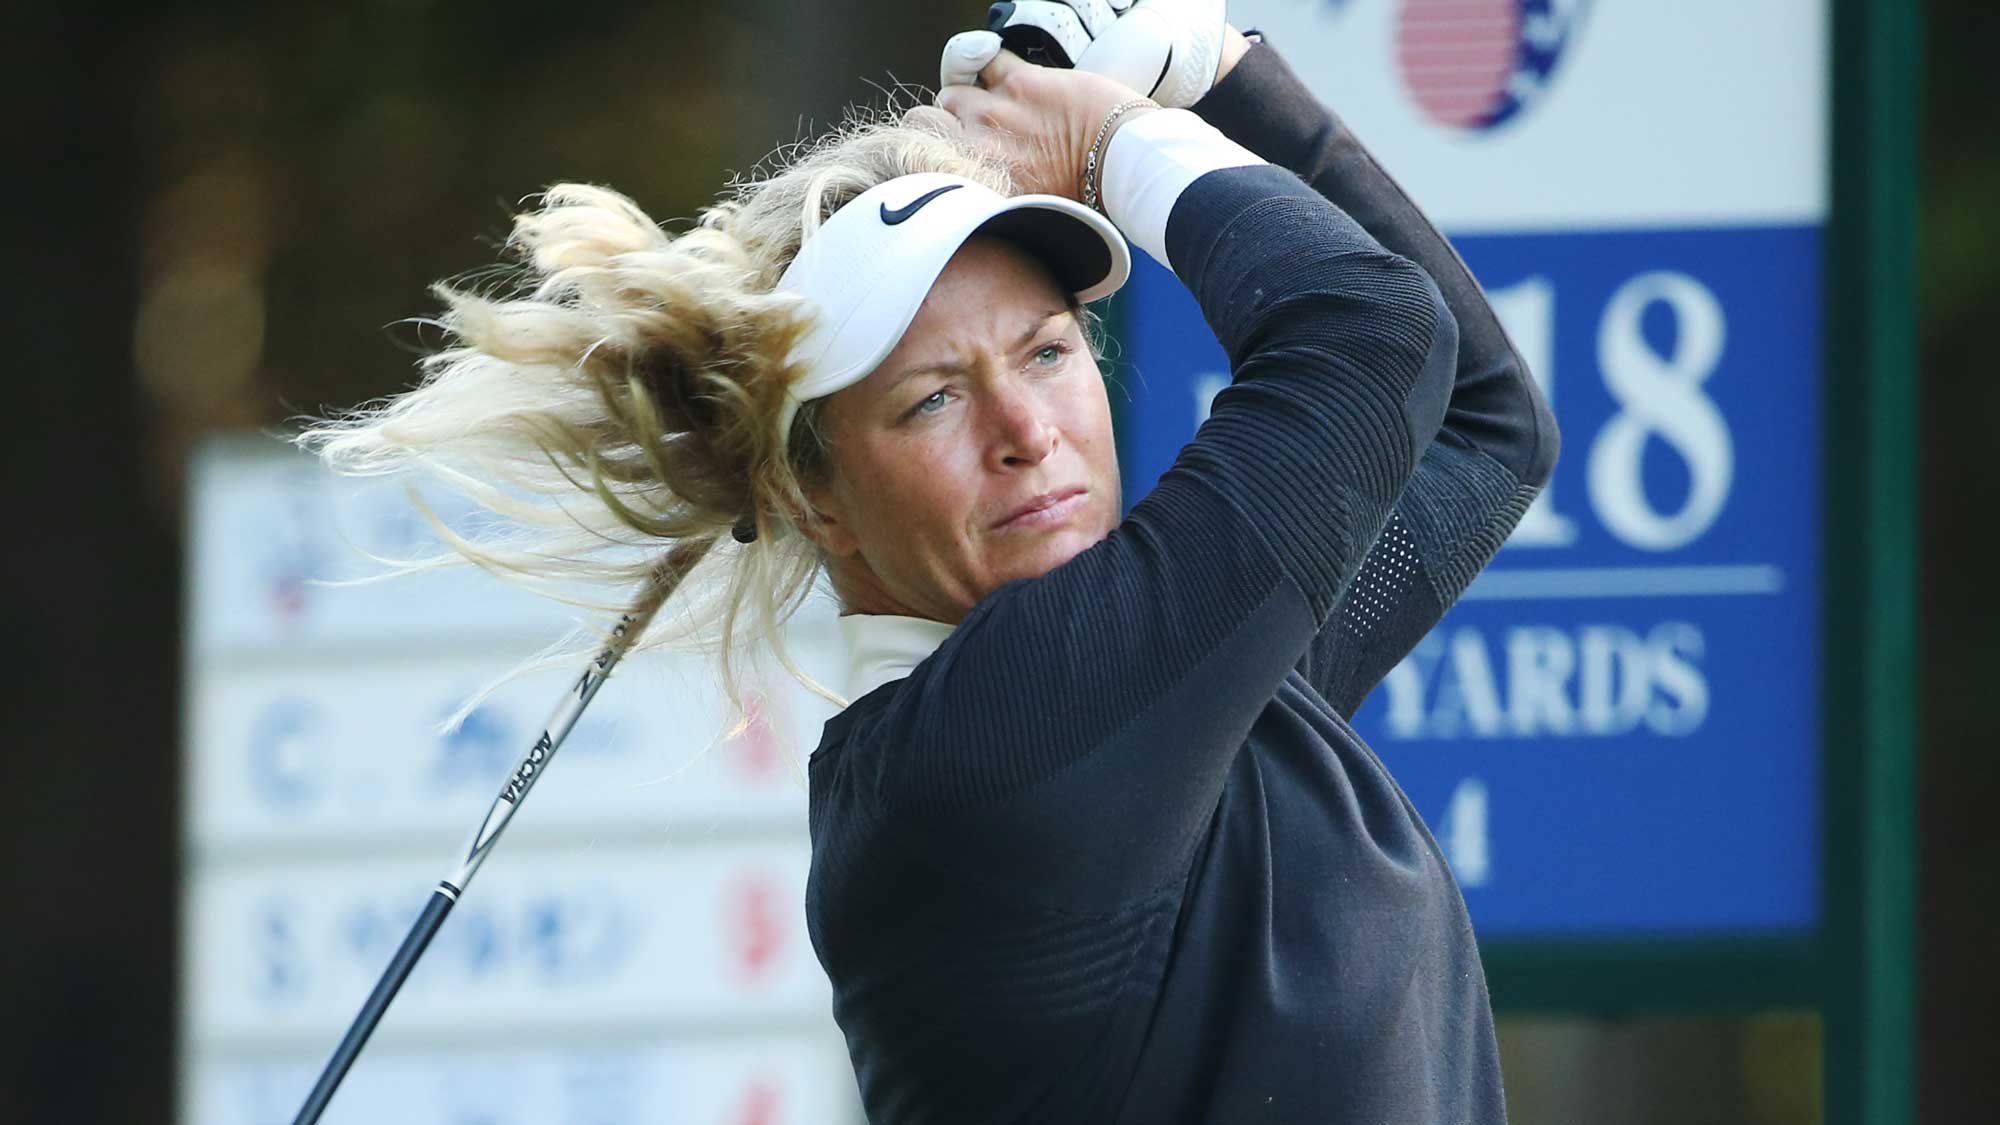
220, 213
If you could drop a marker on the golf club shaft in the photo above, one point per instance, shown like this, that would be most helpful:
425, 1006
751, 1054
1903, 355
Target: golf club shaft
378, 1002
681, 559
449, 888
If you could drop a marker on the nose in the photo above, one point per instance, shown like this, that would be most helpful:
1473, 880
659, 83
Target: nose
1022, 427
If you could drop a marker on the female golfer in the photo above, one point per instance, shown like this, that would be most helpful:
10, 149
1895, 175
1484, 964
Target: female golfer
1092, 838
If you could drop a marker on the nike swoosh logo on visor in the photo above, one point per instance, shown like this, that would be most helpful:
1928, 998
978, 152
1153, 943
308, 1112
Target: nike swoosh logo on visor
891, 218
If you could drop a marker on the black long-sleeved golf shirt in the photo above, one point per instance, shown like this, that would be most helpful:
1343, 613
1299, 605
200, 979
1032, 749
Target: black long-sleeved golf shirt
1111, 852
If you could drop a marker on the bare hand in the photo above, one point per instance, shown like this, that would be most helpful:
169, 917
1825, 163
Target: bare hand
1039, 119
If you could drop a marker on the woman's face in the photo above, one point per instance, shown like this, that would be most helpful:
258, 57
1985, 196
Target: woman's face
980, 451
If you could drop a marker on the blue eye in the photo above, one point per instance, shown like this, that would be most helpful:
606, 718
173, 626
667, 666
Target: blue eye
1048, 355
929, 404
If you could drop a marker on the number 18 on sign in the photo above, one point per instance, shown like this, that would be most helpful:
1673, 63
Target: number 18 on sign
1615, 730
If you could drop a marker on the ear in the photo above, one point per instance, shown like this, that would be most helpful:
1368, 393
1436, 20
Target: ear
825, 525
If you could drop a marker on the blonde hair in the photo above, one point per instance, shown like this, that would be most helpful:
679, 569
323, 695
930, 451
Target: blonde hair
620, 396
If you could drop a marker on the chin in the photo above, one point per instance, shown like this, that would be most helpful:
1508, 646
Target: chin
1053, 551
1043, 553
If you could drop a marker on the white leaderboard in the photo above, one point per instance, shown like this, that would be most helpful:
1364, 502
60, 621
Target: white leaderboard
635, 951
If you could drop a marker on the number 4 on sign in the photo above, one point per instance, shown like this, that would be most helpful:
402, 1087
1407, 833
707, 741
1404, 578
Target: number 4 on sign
1464, 834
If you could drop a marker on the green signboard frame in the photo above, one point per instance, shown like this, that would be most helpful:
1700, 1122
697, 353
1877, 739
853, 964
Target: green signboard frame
1858, 971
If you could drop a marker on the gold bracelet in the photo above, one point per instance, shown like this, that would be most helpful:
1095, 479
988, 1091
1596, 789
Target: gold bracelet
1088, 190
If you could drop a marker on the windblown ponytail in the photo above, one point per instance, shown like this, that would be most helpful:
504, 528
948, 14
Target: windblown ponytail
619, 398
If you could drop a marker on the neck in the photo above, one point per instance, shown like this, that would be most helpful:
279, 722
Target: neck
861, 591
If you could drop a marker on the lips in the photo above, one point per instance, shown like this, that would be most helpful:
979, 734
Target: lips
1050, 509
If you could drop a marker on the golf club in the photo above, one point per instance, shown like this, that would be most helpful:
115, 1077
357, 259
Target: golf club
679, 561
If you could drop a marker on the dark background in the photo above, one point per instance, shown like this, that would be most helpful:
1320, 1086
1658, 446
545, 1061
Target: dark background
214, 212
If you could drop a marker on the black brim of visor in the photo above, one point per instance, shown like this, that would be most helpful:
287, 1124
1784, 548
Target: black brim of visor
1072, 250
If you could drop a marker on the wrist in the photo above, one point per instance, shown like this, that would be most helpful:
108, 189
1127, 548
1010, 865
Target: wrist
1148, 166
1235, 45
1090, 183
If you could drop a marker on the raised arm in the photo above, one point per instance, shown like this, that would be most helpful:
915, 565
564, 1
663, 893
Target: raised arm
1499, 440
1071, 738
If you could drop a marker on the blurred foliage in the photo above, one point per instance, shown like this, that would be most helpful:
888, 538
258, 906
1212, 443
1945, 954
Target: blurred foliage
1959, 225
310, 171
1754, 1068
1959, 262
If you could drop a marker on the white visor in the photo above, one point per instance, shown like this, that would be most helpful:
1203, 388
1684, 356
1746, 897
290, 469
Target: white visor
870, 265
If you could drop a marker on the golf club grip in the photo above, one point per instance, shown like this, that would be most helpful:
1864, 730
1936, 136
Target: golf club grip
378, 1002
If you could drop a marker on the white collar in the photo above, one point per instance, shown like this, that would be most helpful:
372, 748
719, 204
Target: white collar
882, 647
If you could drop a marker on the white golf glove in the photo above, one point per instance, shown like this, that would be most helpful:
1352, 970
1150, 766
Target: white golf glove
1168, 50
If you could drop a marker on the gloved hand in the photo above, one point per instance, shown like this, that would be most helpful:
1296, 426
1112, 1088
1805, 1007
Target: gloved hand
1168, 50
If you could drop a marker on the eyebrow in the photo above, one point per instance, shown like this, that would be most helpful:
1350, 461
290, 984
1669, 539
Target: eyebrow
1020, 342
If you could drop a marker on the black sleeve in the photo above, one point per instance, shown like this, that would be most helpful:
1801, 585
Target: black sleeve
1068, 742
1499, 440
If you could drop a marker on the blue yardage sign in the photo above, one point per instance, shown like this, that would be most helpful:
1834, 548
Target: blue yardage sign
1615, 732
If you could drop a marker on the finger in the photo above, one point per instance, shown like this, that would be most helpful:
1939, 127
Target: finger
970, 105
931, 119
965, 55
1004, 64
